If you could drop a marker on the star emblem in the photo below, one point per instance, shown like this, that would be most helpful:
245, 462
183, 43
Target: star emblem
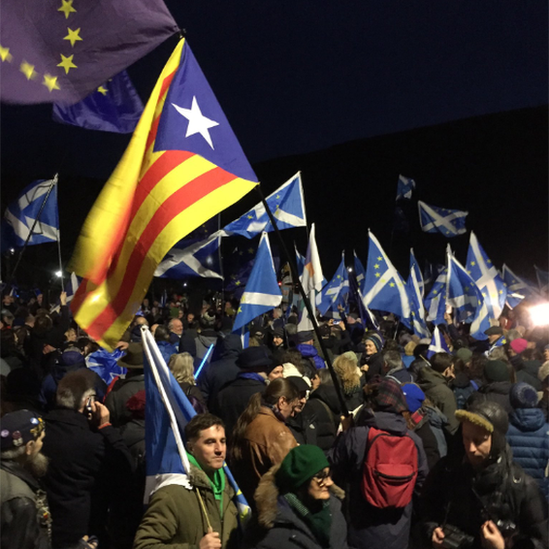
237, 283
501, 292
392, 284
102, 90
380, 258
28, 70
73, 36
466, 288
198, 123
51, 82
434, 292
66, 63
5, 54
66, 8
377, 275
250, 217
472, 263
376, 266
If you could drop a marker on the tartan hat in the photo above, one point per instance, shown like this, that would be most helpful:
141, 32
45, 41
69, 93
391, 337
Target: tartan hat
388, 397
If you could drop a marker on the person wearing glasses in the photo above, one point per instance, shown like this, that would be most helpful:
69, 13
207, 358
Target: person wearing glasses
298, 505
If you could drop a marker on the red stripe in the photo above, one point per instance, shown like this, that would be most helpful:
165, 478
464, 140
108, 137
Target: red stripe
174, 205
163, 91
79, 296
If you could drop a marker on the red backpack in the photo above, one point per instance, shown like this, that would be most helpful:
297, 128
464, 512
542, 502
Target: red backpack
390, 469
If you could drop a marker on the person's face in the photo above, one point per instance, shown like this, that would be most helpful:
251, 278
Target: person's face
210, 448
190, 317
276, 372
315, 383
301, 401
319, 485
369, 347
286, 407
277, 341
546, 354
477, 443
177, 327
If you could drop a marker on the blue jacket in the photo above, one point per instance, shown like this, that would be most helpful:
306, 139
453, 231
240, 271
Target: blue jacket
309, 351
528, 437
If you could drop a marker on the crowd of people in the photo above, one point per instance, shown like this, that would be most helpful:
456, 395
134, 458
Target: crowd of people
395, 446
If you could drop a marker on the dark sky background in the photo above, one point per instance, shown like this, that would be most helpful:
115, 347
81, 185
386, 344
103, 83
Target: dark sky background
352, 94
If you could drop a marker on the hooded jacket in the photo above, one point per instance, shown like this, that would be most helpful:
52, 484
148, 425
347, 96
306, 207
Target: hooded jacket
323, 404
496, 391
310, 352
276, 526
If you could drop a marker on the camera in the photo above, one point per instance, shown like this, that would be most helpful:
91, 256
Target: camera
454, 538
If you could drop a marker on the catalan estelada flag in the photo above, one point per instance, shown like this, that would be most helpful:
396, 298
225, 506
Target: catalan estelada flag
183, 166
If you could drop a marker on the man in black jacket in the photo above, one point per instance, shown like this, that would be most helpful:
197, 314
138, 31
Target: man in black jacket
89, 462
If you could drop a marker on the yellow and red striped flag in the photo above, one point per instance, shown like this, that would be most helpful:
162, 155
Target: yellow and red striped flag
183, 166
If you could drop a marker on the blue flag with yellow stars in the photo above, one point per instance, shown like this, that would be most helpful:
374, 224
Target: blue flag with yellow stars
336, 292
441, 220
239, 266
63, 50
113, 107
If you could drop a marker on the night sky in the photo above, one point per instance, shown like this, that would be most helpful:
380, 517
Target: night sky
352, 94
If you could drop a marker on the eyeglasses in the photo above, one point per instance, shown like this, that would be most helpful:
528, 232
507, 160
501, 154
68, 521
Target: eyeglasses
322, 477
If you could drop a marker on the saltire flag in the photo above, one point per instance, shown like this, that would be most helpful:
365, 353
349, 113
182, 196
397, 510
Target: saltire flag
262, 293
360, 272
287, 205
336, 292
438, 344
466, 298
300, 261
405, 187
435, 302
105, 364
114, 107
63, 51
441, 220
367, 318
517, 288
384, 287
14, 291
415, 291
312, 281
183, 166
498, 343
239, 267
168, 411
200, 259
487, 277
70, 289
21, 215
543, 281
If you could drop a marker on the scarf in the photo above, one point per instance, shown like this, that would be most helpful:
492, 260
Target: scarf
319, 523
217, 483
251, 375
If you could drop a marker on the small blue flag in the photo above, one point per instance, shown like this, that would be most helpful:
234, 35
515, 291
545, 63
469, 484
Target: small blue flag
441, 220
20, 216
70, 290
384, 287
286, 203
438, 344
113, 107
415, 290
405, 186
262, 293
105, 364
360, 272
239, 267
435, 302
336, 292
300, 260
517, 288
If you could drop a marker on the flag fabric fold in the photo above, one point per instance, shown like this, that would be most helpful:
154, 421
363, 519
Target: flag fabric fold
20, 216
438, 344
336, 292
262, 293
360, 272
415, 291
435, 302
405, 187
287, 205
441, 220
183, 166
517, 289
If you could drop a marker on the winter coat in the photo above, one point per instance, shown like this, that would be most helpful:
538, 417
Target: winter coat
24, 513
233, 399
400, 375
463, 389
310, 352
438, 422
371, 527
277, 526
203, 342
174, 517
220, 372
497, 391
303, 427
423, 430
121, 392
528, 437
167, 349
87, 467
324, 405
375, 365
454, 493
435, 387
266, 442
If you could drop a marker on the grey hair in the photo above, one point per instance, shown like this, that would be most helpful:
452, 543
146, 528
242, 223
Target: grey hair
393, 360
13, 453
182, 368
75, 388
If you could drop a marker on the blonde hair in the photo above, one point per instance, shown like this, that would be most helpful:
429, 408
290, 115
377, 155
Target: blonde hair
182, 368
347, 371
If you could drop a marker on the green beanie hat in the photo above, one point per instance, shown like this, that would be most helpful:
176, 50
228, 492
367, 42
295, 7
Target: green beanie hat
300, 465
497, 370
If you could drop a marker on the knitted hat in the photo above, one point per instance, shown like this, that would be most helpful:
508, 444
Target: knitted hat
414, 396
307, 335
252, 358
496, 370
519, 345
523, 395
464, 354
300, 465
18, 428
278, 332
543, 372
376, 338
389, 397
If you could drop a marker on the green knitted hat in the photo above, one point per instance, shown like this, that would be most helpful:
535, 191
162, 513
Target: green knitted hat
300, 465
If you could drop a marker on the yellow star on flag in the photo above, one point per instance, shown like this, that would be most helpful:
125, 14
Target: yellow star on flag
237, 283
250, 217
376, 266
377, 275
250, 250
66, 63
73, 36
392, 284
51, 82
28, 70
500, 292
5, 54
473, 263
380, 258
66, 8
102, 89
434, 292
277, 196
239, 310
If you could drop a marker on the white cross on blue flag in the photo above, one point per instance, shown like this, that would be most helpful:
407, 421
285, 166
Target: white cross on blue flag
336, 292
438, 344
441, 220
405, 186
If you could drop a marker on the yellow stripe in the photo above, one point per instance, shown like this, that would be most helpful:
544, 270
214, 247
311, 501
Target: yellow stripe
88, 259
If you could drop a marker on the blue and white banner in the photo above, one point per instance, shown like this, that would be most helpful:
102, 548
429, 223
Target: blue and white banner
441, 220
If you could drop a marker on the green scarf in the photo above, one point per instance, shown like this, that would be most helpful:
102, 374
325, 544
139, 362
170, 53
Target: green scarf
319, 523
217, 483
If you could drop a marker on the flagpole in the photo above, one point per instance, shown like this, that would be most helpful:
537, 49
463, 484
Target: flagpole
53, 182
307, 304
60, 261
220, 256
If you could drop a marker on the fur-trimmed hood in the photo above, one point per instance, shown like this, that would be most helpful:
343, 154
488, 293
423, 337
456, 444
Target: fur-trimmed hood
266, 498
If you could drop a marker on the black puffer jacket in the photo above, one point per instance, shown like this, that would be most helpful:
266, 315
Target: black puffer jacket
497, 391
324, 405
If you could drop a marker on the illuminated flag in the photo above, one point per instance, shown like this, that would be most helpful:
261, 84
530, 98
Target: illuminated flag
438, 344
517, 288
435, 302
336, 292
64, 50
183, 166
441, 220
